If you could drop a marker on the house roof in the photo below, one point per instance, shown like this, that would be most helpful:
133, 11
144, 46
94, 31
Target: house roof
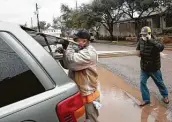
126, 18
50, 28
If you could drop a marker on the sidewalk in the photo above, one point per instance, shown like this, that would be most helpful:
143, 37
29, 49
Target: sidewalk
128, 43
120, 102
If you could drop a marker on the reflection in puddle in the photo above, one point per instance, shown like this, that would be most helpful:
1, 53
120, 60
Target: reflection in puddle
120, 106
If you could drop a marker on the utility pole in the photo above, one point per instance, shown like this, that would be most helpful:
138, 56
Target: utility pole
31, 23
37, 13
118, 24
76, 5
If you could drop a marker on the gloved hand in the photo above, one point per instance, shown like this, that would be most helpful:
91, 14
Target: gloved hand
76, 47
97, 105
144, 38
60, 50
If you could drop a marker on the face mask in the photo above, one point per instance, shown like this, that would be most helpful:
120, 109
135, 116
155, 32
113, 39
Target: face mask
148, 36
144, 38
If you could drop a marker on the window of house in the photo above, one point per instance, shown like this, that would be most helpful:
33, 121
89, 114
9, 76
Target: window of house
149, 23
156, 22
168, 21
17, 81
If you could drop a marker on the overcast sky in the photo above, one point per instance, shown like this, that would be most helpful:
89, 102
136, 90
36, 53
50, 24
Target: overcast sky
21, 11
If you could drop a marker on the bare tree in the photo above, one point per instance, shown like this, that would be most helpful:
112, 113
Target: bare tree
137, 9
108, 12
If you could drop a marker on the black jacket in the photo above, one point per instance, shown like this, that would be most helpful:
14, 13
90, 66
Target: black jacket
150, 54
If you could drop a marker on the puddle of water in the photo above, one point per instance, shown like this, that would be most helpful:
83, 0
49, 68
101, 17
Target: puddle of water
120, 106
117, 107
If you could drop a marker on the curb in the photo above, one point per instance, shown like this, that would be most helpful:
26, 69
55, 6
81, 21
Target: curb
169, 49
130, 45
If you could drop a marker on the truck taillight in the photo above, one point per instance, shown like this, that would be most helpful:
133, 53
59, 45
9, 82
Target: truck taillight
70, 109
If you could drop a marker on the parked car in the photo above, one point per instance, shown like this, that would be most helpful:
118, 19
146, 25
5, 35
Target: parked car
33, 85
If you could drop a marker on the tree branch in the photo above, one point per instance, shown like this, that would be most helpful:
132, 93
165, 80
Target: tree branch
130, 14
151, 11
108, 13
141, 14
105, 26
127, 12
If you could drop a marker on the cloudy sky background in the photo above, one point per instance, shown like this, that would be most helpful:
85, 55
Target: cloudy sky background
21, 11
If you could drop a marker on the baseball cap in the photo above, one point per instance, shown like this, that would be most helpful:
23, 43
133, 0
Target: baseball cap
82, 34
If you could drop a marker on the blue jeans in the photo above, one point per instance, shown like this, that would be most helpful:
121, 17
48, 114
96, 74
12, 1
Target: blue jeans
157, 77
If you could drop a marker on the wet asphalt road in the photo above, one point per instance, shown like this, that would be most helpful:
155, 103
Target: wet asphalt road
129, 68
120, 102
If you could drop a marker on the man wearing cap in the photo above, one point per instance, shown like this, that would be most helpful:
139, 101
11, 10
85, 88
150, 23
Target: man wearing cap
149, 49
81, 58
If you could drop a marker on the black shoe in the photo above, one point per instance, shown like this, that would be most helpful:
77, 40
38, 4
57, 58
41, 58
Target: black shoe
144, 103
